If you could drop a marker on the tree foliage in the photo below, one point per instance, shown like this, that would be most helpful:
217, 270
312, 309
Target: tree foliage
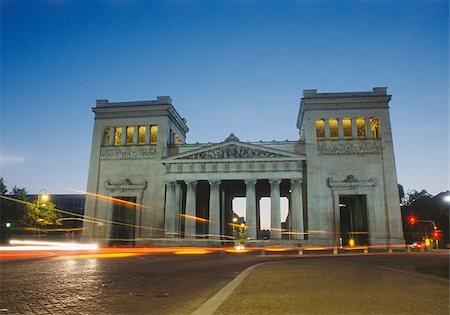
3, 189
413, 196
19, 193
42, 215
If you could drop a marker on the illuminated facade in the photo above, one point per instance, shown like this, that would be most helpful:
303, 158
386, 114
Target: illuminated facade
339, 177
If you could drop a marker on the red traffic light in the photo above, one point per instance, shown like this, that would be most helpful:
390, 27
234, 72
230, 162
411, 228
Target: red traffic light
437, 234
412, 220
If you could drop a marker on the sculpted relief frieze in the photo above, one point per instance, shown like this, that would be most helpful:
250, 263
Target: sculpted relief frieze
350, 147
127, 153
233, 151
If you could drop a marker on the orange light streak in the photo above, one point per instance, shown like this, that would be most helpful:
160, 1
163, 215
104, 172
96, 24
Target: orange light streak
194, 218
113, 199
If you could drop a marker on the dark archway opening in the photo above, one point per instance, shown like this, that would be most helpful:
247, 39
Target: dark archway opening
353, 220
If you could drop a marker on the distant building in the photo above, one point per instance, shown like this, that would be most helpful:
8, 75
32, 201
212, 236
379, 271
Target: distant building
70, 210
339, 176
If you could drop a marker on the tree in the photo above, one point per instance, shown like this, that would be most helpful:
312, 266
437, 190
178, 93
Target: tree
3, 189
413, 196
40, 215
19, 193
401, 193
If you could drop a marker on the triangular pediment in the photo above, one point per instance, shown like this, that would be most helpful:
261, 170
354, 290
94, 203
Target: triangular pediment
234, 150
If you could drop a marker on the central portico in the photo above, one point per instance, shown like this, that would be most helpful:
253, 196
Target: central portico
202, 182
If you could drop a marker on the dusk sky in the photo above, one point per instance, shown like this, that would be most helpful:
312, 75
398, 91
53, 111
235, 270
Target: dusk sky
229, 66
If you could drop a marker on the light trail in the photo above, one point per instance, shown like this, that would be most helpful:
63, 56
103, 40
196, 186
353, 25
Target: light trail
112, 199
193, 218
29, 245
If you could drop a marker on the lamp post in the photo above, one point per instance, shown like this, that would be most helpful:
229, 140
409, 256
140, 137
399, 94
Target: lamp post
41, 197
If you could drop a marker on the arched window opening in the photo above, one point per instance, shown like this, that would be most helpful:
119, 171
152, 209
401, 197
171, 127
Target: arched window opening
375, 127
320, 129
154, 134
106, 134
118, 136
347, 126
130, 135
142, 130
333, 124
361, 127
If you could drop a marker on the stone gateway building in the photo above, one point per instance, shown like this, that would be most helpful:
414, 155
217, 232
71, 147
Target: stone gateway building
147, 186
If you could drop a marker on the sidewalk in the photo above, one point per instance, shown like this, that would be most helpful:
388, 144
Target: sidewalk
336, 286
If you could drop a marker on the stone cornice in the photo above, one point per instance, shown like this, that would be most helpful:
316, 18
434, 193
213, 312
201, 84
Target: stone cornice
311, 100
141, 111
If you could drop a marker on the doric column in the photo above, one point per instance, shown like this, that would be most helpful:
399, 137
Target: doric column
112, 135
169, 219
191, 210
368, 131
275, 231
250, 211
214, 210
123, 140
178, 199
340, 129
135, 134
297, 209
354, 129
147, 134
327, 133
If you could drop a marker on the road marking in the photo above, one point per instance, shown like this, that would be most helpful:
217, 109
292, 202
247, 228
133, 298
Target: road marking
414, 273
214, 302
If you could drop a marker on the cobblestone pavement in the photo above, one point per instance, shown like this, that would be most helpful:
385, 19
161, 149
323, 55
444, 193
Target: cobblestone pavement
155, 284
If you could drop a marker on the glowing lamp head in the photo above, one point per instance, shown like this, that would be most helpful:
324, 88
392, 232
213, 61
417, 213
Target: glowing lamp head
351, 242
44, 197
412, 220
235, 220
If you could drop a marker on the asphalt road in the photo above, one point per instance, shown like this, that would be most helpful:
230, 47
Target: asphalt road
147, 284
172, 284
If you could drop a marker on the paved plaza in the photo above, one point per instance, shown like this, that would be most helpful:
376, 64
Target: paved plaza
181, 284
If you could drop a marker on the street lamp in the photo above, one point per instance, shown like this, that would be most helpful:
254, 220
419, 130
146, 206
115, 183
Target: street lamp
42, 196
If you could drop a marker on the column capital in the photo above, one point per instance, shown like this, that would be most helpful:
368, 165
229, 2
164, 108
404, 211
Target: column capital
171, 182
296, 180
215, 182
250, 181
191, 182
275, 181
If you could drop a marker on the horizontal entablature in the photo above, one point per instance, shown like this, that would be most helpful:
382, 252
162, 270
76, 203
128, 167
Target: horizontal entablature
343, 104
234, 166
140, 111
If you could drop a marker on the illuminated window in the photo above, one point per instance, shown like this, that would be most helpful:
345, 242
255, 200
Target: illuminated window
361, 127
333, 124
320, 129
153, 134
106, 133
118, 136
178, 140
130, 135
142, 131
347, 125
375, 127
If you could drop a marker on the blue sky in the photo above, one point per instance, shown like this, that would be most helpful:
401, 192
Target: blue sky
229, 66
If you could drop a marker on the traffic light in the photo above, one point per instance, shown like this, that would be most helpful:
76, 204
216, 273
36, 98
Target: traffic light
437, 234
412, 220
